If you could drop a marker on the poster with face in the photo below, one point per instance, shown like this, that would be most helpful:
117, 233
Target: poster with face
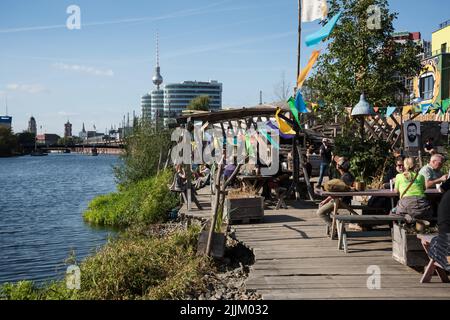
412, 134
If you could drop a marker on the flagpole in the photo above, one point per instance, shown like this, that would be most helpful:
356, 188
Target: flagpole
299, 38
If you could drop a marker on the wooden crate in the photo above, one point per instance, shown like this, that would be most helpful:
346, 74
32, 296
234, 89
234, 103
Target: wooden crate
407, 248
244, 210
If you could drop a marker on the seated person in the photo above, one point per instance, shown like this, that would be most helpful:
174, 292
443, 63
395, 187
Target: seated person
412, 204
432, 171
384, 203
444, 211
429, 147
204, 177
326, 207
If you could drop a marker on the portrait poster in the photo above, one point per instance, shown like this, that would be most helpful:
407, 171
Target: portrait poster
412, 134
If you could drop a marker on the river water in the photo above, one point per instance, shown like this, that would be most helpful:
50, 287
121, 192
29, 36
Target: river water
41, 204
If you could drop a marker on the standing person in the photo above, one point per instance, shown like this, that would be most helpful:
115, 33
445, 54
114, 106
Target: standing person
326, 155
432, 171
411, 186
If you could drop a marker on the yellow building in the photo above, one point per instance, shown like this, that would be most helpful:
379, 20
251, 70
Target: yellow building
441, 39
433, 83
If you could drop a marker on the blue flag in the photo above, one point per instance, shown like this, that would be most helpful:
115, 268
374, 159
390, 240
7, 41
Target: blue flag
390, 111
323, 33
300, 103
426, 107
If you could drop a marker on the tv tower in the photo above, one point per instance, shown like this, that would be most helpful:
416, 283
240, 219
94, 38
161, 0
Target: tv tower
157, 79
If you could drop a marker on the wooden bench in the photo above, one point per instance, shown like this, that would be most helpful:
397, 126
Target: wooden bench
343, 220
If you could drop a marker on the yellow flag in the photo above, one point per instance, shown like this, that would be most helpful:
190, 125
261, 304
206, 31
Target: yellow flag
307, 69
407, 109
282, 125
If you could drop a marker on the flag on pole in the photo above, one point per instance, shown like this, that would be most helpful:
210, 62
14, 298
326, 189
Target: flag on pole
313, 10
312, 60
282, 125
300, 103
291, 103
323, 33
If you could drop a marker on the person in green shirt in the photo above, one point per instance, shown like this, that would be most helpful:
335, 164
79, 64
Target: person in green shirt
412, 186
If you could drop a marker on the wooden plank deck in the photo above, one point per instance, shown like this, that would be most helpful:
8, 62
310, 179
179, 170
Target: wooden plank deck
295, 260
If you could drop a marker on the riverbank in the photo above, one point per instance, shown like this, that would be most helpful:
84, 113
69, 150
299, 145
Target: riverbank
153, 257
156, 262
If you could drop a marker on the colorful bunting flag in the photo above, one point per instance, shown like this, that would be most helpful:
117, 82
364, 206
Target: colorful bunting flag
406, 110
294, 110
249, 146
300, 103
445, 105
312, 60
282, 125
426, 108
271, 125
313, 10
323, 33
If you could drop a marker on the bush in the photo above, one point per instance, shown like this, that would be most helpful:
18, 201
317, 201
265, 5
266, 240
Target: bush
145, 202
368, 158
142, 154
26, 290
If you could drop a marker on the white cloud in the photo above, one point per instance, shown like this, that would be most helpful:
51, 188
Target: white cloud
27, 88
67, 114
84, 69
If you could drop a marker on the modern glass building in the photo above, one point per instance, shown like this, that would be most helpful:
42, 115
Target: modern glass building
5, 122
146, 105
169, 103
157, 105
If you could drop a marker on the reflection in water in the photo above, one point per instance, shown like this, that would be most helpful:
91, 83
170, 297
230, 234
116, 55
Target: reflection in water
41, 204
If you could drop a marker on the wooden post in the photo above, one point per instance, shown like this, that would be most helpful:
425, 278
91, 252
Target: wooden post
299, 48
189, 175
216, 207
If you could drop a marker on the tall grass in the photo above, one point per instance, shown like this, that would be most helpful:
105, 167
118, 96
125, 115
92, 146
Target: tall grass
133, 267
145, 202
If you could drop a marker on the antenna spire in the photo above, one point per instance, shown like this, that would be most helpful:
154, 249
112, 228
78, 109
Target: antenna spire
157, 79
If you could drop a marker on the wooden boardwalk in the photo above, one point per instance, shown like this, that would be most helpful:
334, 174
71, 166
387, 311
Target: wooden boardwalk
295, 260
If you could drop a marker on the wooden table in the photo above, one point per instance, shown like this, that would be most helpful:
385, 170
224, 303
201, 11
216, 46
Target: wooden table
433, 266
339, 204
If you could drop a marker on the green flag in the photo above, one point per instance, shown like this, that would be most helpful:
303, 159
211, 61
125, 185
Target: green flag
294, 110
445, 105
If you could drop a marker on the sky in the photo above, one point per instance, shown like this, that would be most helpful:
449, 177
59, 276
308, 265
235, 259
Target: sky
97, 74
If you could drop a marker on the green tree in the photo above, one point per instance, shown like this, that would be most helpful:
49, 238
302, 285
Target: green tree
200, 103
359, 59
8, 142
145, 150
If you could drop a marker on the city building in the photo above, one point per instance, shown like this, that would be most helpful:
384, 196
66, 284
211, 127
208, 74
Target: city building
433, 83
408, 82
83, 134
47, 139
162, 105
68, 130
178, 96
32, 128
5, 122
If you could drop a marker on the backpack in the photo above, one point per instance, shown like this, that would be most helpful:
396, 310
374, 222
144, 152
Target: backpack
336, 185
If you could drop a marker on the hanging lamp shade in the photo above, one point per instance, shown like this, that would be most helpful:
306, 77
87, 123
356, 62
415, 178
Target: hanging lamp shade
363, 108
